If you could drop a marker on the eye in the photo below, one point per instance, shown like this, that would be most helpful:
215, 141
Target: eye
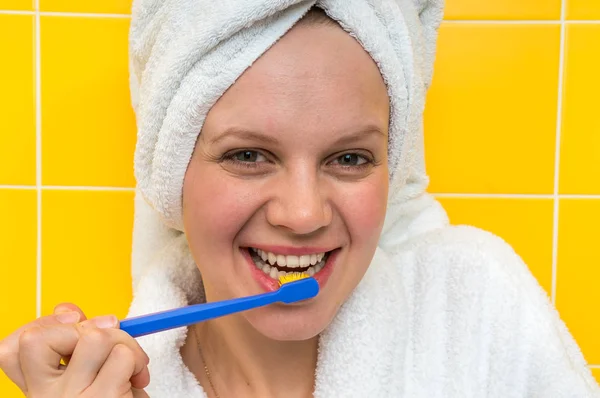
246, 161
351, 159
248, 156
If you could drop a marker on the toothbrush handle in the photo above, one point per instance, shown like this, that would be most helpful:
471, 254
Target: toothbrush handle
148, 324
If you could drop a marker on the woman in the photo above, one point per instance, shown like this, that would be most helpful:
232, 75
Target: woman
272, 140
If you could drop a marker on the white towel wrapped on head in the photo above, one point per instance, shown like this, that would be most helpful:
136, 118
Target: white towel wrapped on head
442, 311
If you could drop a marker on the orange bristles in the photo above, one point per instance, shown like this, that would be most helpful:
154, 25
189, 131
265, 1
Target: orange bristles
292, 277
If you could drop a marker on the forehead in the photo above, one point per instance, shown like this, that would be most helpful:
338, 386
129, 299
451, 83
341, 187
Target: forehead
316, 69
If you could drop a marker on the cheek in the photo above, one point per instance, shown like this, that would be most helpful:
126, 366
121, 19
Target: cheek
215, 208
363, 209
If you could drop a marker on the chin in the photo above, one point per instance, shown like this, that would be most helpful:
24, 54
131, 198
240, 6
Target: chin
288, 323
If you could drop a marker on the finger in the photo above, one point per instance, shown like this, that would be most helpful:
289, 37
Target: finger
93, 349
40, 351
142, 379
121, 372
139, 393
68, 307
9, 347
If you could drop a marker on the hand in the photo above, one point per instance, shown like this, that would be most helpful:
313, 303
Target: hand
103, 361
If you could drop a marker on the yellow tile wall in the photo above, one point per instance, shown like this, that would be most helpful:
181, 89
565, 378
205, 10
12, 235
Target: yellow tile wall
513, 140
503, 9
89, 268
87, 6
580, 139
85, 115
505, 92
19, 5
17, 121
583, 9
495, 94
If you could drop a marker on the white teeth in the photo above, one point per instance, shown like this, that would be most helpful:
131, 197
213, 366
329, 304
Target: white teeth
275, 273
314, 262
292, 261
304, 260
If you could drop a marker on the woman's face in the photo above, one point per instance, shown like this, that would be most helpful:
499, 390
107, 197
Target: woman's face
290, 174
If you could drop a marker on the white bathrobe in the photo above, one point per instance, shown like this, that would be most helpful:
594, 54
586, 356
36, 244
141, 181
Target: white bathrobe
443, 311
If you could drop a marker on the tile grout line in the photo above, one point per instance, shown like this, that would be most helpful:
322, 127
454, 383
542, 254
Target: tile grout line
522, 21
67, 188
504, 21
15, 12
38, 156
491, 195
513, 196
83, 14
25, 187
90, 188
559, 111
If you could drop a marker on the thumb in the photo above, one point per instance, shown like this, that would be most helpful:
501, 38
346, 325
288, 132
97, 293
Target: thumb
70, 307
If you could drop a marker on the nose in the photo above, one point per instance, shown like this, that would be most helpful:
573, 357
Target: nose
299, 204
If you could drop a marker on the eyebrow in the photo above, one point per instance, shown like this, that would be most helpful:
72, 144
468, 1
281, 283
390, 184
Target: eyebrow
255, 136
363, 132
245, 134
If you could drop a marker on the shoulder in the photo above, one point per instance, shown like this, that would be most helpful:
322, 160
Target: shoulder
481, 294
469, 257
464, 241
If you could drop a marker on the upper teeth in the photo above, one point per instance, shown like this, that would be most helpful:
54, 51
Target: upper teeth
305, 260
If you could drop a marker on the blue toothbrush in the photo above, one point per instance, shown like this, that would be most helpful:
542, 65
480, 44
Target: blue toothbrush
289, 292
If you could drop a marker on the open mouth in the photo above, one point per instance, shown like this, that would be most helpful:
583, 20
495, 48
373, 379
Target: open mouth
277, 265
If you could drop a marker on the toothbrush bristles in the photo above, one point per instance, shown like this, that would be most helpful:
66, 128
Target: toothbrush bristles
292, 277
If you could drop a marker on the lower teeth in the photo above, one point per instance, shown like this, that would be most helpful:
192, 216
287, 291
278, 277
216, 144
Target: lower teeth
275, 273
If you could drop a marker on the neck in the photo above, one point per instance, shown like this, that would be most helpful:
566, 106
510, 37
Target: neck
244, 363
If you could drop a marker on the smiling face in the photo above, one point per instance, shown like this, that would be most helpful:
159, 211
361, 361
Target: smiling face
290, 174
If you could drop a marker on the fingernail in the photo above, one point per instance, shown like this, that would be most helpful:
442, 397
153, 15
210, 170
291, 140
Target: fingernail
59, 309
68, 317
105, 322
